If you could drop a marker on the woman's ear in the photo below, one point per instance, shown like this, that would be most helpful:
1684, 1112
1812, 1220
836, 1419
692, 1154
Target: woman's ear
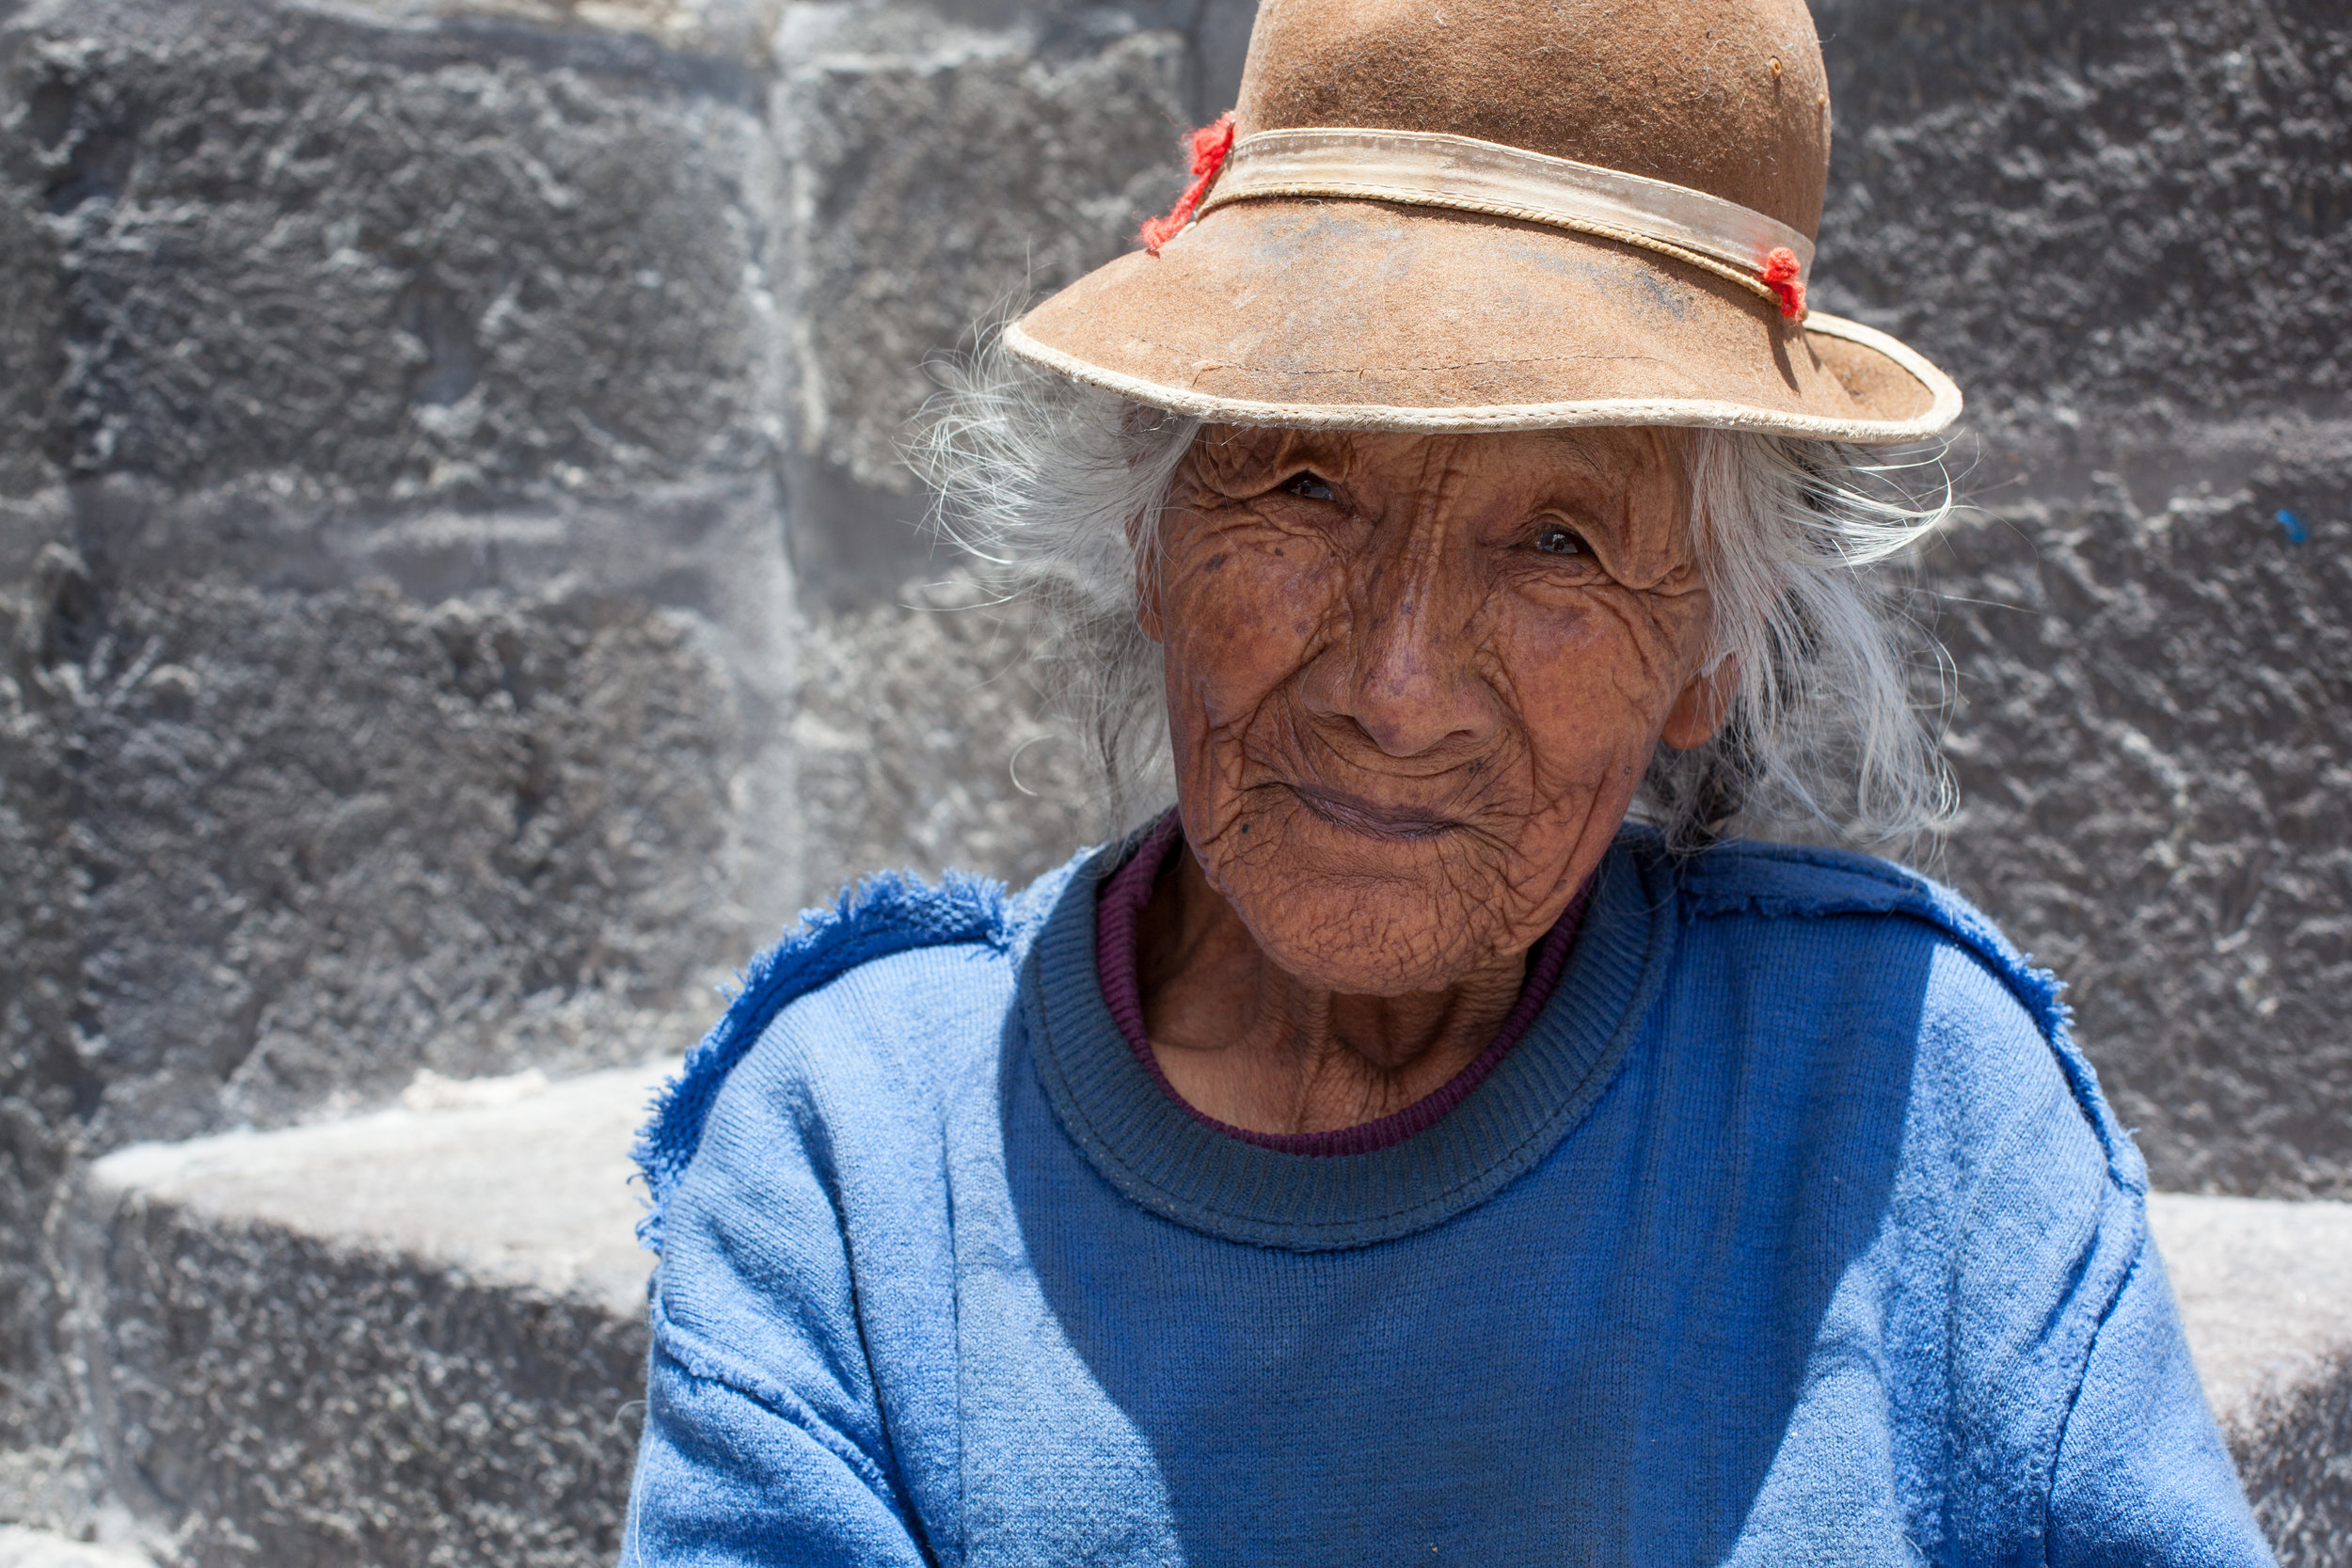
1700, 710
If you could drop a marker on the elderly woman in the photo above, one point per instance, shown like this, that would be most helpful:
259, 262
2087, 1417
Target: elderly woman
1391, 1154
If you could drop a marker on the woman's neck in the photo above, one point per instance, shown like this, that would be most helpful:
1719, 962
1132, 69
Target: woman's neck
1249, 1044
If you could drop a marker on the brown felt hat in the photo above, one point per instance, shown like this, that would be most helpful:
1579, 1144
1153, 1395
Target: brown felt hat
1502, 214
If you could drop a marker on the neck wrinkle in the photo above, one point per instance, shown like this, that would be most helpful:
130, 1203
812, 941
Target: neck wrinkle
1119, 910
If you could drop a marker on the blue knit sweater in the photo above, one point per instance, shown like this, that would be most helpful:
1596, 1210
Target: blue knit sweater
1795, 1231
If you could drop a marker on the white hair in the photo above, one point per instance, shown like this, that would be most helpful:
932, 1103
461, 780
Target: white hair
1054, 487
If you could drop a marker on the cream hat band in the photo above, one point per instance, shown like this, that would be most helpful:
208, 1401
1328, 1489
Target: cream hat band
1426, 169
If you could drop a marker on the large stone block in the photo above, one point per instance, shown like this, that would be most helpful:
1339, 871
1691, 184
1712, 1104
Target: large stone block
419, 582
941, 176
2123, 229
333, 836
411, 1338
404, 258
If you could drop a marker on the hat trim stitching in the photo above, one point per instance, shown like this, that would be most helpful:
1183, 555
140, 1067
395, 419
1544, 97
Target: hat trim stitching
1711, 413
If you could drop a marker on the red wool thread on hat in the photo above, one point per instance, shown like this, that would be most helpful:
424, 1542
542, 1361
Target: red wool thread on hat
1209, 146
1780, 274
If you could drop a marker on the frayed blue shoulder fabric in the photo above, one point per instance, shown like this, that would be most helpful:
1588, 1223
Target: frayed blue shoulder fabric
886, 913
1808, 882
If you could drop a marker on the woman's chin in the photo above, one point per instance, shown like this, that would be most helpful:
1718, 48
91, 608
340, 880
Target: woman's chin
1364, 913
1342, 936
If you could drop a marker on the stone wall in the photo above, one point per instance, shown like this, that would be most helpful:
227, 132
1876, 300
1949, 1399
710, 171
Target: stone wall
389, 558
459, 590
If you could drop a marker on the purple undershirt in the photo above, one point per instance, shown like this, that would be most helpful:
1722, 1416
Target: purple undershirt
1119, 909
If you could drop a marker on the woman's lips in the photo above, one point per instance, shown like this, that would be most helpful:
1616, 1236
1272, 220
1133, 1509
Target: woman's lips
1360, 815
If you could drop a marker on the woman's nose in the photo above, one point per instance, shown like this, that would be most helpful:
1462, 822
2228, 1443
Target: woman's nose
1405, 674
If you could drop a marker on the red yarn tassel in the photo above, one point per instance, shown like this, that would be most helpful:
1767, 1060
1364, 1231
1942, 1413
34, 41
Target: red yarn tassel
1780, 274
1209, 146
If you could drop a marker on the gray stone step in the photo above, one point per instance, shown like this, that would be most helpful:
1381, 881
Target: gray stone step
2265, 1288
509, 1182
22, 1547
411, 1337
416, 1337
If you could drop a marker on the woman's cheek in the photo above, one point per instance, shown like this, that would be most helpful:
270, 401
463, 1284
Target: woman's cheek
1592, 683
1246, 622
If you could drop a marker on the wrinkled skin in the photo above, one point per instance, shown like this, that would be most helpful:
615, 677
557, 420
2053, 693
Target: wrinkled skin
1412, 684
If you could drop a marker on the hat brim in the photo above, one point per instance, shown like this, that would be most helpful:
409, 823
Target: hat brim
1363, 315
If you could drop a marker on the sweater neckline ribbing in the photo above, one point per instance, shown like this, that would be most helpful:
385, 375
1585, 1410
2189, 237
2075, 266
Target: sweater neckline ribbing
1149, 1148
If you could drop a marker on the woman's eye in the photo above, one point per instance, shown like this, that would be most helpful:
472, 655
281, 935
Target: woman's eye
1559, 539
1311, 485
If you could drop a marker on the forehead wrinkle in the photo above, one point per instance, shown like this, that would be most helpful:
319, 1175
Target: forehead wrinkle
1575, 445
1568, 468
1601, 438
1622, 457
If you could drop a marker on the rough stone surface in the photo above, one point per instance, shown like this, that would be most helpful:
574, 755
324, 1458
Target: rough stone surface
513, 1181
398, 259
413, 1337
1047, 138
272, 1398
918, 740
2122, 227
2154, 739
470, 838
32, 346
2291, 1456
42, 1066
392, 584
2101, 211
1030, 171
330, 836
1049, 133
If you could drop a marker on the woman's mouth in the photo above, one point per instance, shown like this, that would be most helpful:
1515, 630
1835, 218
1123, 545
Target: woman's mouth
1359, 816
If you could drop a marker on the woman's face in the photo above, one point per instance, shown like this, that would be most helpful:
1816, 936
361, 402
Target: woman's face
1413, 681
